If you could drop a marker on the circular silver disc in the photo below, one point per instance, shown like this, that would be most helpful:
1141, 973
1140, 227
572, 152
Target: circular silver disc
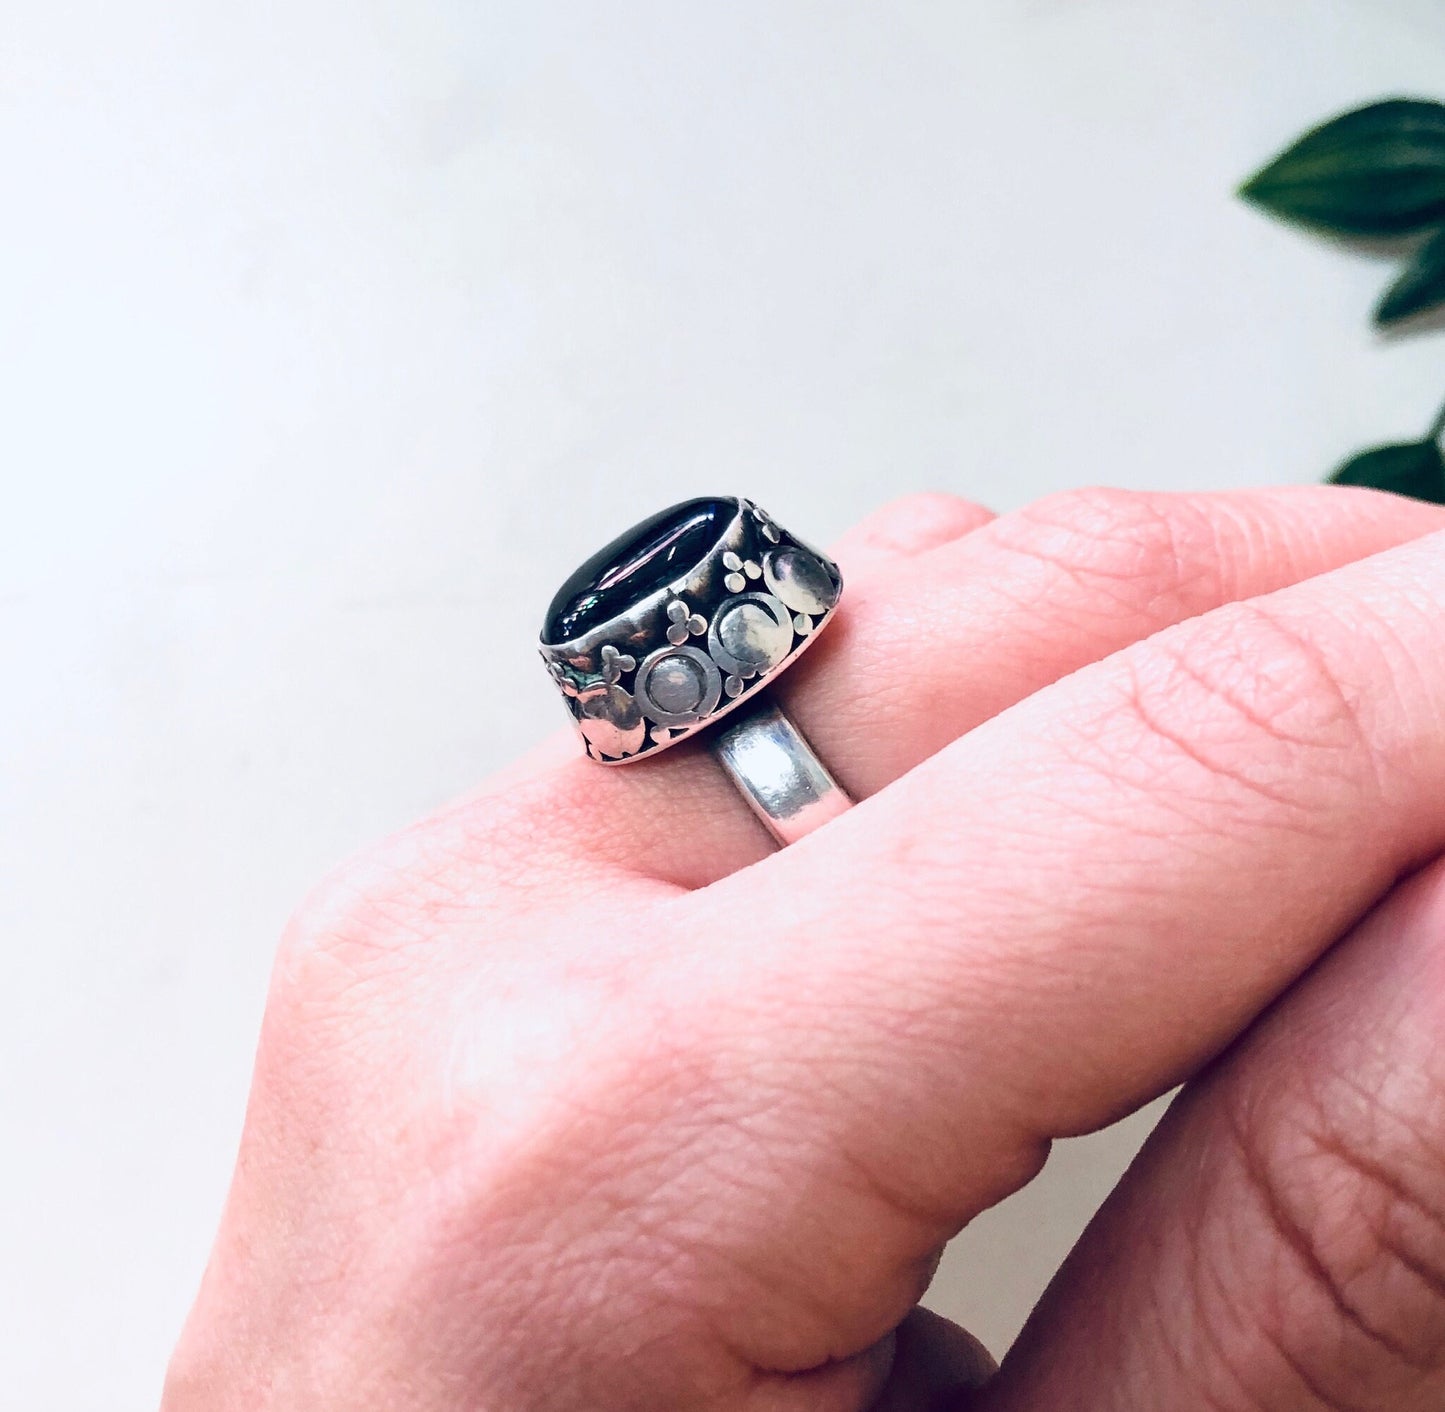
751, 633
800, 580
678, 685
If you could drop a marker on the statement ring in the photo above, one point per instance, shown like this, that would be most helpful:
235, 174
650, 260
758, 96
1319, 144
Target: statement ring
683, 620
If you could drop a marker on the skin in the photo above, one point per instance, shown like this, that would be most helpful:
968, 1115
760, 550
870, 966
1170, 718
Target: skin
578, 1096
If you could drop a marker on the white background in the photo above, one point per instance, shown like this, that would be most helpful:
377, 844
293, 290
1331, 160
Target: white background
333, 334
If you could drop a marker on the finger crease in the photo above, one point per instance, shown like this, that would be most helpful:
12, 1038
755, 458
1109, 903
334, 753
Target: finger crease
1297, 1240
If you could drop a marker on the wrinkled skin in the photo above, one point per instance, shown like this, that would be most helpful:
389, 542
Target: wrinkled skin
579, 1097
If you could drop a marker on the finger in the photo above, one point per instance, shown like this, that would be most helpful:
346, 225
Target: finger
945, 640
1280, 1242
903, 529
1063, 914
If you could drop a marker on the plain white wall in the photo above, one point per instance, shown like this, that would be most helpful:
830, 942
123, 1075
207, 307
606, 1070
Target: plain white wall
331, 334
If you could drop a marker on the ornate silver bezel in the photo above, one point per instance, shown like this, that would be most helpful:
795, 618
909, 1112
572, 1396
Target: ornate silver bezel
681, 618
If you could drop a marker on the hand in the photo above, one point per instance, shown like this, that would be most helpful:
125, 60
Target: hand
577, 1097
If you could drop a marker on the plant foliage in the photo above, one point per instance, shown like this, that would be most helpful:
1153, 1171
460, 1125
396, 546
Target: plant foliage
1376, 172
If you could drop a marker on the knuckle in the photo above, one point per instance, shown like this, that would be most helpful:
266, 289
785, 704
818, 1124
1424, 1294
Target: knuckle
1347, 1189
369, 933
1149, 555
1245, 695
337, 953
363, 900
913, 524
411, 891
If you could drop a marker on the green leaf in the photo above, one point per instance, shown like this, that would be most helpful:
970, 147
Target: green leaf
1376, 171
1421, 284
1413, 468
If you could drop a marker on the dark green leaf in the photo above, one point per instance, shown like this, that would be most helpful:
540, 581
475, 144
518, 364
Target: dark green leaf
1413, 468
1421, 284
1377, 171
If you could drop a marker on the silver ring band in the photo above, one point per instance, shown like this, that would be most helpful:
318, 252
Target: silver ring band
776, 771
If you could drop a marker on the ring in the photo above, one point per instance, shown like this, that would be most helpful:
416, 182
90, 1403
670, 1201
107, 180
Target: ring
684, 619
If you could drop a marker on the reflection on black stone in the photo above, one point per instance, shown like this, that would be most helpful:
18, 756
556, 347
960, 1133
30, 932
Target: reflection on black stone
660, 549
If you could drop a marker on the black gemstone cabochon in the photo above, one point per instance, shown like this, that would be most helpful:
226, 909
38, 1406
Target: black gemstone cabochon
662, 548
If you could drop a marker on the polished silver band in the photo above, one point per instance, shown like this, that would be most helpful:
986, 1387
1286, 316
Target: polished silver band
776, 771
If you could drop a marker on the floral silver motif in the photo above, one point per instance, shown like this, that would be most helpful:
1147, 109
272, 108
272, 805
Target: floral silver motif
614, 663
739, 571
766, 527
563, 675
684, 624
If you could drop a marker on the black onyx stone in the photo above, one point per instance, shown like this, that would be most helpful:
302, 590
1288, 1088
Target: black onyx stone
664, 547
